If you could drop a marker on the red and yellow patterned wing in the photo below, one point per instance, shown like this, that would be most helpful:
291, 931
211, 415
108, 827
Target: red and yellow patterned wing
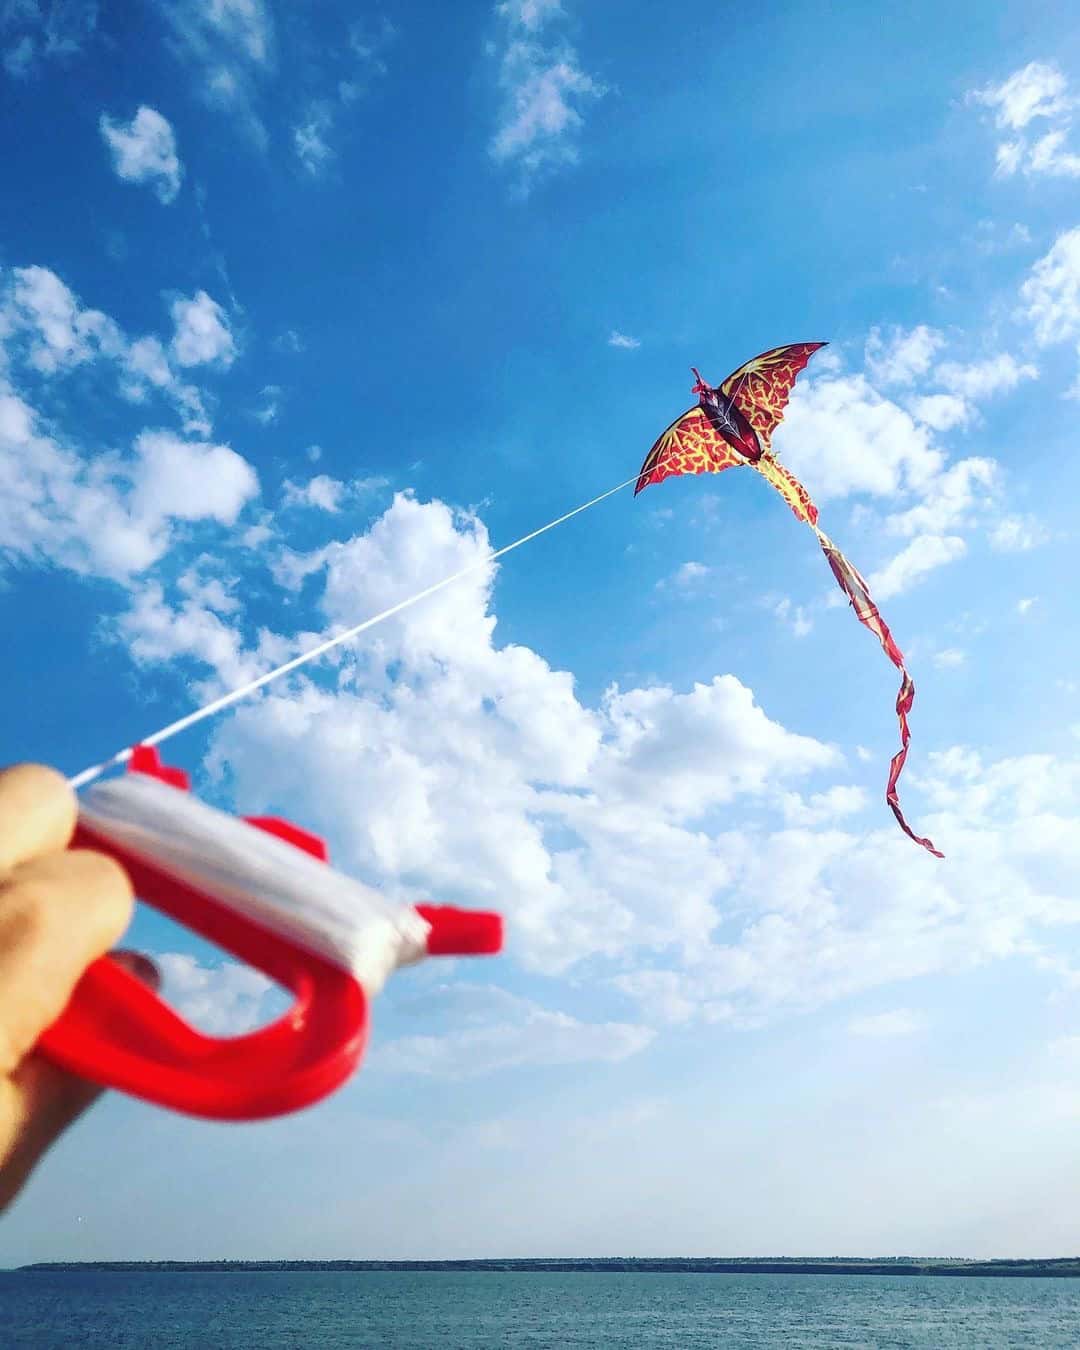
690, 445
789, 488
761, 388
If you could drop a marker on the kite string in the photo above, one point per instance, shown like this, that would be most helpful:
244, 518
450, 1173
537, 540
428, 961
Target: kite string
95, 771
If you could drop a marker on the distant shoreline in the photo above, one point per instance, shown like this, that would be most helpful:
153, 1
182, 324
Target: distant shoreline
1057, 1267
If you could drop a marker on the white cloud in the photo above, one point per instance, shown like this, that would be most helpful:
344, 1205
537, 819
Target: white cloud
950, 500
144, 151
321, 492
224, 1000
230, 44
1036, 92
269, 404
942, 412
1023, 606
840, 437
63, 334
504, 1031
110, 516
689, 574
185, 480
57, 334
1051, 293
530, 14
904, 355
949, 658
1017, 534
795, 616
310, 139
623, 340
823, 808
898, 1022
981, 379
544, 87
203, 335
923, 555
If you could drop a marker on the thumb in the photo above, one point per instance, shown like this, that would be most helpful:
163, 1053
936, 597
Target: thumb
46, 1099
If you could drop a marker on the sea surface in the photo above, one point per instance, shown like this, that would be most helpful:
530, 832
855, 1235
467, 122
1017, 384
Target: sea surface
466, 1311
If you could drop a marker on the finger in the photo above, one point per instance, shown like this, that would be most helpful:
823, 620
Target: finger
57, 915
37, 814
40, 1100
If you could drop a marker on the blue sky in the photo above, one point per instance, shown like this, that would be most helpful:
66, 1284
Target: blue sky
301, 311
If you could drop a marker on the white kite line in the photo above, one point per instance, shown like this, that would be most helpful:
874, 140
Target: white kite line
208, 710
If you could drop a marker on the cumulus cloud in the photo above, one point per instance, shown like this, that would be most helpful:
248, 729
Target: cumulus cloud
1051, 292
841, 437
321, 492
544, 88
203, 335
144, 151
950, 501
981, 379
942, 412
1036, 93
51, 330
111, 516
62, 333
903, 355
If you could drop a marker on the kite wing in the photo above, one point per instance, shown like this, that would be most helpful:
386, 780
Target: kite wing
760, 389
690, 445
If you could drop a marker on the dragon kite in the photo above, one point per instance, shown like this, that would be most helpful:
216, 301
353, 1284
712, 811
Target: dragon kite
731, 425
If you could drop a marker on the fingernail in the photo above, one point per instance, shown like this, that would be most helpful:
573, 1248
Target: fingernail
140, 966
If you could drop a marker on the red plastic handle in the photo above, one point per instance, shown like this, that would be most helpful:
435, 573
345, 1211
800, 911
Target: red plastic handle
117, 1032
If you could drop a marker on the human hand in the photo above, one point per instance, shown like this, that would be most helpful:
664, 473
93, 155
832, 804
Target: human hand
60, 909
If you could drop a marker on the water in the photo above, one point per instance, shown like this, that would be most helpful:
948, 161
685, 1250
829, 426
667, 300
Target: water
496, 1311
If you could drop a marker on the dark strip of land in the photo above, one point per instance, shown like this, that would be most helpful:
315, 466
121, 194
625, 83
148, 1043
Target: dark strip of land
1066, 1266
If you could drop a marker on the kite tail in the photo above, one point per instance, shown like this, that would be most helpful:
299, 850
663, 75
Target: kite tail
857, 591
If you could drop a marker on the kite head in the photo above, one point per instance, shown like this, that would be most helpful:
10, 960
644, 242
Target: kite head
700, 387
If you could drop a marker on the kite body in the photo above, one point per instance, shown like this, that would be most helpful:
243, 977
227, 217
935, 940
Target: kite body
732, 424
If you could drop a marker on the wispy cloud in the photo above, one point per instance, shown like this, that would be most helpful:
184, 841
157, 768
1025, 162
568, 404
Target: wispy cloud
35, 31
310, 139
144, 151
497, 1030
1036, 93
922, 556
623, 340
230, 46
901, 356
544, 88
